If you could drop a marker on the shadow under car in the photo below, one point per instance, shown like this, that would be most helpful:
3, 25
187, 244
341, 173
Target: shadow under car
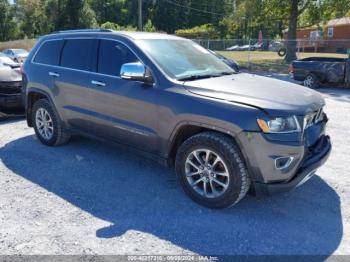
137, 194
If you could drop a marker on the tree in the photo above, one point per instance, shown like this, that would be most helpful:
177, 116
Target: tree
32, 17
149, 27
116, 27
7, 23
206, 31
297, 7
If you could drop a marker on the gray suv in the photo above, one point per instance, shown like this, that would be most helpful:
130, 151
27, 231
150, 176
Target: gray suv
169, 98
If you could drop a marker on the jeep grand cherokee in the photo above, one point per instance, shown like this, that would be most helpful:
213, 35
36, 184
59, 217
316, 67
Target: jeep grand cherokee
172, 99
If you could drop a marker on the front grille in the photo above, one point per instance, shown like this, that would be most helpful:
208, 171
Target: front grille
10, 88
313, 118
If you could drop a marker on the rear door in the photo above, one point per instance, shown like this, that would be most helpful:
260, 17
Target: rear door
124, 111
72, 80
45, 65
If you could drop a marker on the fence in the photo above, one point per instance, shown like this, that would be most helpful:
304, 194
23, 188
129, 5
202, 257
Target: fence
268, 54
252, 54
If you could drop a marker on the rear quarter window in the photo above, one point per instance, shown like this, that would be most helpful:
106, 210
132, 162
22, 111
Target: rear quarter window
49, 53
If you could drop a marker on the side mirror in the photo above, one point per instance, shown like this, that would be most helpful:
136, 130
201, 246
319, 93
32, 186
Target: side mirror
137, 72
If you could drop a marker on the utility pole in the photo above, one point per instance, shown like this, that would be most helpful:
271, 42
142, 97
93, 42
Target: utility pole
140, 16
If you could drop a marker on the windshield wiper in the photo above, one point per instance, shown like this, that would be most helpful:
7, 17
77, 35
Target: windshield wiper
196, 77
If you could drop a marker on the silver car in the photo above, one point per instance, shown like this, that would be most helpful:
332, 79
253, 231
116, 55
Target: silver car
17, 55
10, 84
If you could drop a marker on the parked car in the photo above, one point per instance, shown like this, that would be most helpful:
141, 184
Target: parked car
233, 48
275, 46
230, 62
241, 48
172, 100
313, 71
10, 85
247, 48
17, 55
258, 46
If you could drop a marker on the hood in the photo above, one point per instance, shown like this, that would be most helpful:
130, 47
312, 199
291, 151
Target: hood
276, 97
7, 74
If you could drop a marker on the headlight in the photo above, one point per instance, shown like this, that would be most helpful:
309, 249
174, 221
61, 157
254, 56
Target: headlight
280, 125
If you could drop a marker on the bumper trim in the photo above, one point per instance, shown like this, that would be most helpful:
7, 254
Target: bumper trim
318, 156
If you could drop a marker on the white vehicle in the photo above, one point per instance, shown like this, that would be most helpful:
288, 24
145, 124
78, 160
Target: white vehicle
233, 48
7, 62
17, 55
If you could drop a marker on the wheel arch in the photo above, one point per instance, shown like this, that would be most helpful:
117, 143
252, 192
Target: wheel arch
34, 95
187, 130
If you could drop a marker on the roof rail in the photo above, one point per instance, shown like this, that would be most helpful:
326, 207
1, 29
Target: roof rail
82, 31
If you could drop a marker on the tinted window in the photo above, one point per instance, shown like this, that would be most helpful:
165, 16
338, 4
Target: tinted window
49, 53
111, 57
77, 54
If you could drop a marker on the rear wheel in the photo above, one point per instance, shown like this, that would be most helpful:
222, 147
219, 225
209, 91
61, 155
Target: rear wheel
311, 81
211, 170
47, 125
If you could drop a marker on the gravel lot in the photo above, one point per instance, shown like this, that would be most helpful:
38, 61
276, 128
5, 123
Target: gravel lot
92, 198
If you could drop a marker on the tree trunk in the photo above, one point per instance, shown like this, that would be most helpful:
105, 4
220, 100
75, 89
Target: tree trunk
292, 32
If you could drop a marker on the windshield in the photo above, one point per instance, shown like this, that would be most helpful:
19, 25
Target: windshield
19, 51
184, 59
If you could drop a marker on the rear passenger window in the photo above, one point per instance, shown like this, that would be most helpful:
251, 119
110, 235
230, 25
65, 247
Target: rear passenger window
112, 55
77, 54
49, 53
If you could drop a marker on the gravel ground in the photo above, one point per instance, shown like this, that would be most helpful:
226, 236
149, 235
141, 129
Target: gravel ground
91, 198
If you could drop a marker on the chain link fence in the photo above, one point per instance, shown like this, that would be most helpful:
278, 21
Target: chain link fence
268, 54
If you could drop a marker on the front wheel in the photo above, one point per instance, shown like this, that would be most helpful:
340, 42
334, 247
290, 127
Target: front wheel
211, 170
47, 125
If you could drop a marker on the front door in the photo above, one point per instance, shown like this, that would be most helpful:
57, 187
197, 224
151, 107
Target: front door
123, 110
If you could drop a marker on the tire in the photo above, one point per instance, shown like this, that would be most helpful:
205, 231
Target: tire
311, 81
282, 52
236, 176
59, 135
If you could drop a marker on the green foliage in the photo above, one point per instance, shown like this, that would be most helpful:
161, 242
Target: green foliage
240, 19
203, 31
149, 27
116, 27
7, 23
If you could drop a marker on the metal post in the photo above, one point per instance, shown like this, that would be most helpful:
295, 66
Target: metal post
140, 16
249, 53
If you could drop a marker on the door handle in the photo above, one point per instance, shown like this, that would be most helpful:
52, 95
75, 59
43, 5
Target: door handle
97, 83
54, 74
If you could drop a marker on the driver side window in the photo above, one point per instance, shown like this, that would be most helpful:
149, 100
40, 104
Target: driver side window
112, 55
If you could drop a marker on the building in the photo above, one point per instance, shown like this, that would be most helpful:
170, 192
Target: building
331, 37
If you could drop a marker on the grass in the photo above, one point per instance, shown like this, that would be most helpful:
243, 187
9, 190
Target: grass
268, 61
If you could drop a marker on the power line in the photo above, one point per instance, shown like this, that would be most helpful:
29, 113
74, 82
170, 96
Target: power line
198, 6
192, 8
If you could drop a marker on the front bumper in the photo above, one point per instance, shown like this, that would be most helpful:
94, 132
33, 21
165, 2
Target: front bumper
316, 156
11, 95
9, 102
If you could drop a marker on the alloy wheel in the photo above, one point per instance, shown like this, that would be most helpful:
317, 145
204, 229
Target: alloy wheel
44, 123
207, 173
